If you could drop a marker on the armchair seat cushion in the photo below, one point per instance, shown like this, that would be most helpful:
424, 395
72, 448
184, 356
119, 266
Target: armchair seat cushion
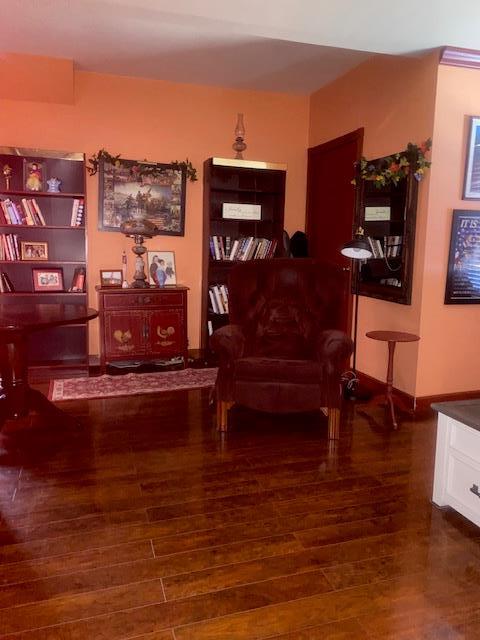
256, 369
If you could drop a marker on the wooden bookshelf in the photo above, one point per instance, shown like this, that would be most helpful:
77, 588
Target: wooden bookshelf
237, 182
61, 348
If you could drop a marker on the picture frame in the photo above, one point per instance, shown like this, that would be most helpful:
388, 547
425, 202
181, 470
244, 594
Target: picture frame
463, 271
34, 251
111, 278
471, 184
50, 279
33, 175
156, 189
164, 273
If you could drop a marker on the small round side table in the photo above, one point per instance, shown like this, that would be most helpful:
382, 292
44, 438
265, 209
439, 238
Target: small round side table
392, 337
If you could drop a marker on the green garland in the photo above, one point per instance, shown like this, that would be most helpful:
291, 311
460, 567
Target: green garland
139, 170
392, 169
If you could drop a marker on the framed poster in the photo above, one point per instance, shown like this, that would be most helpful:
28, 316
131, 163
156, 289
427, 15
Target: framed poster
471, 185
130, 187
463, 275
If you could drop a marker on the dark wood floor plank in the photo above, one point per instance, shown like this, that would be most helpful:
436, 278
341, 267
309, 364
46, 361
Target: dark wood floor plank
344, 630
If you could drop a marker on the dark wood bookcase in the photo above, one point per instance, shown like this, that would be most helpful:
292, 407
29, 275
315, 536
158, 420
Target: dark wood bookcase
388, 274
64, 349
237, 182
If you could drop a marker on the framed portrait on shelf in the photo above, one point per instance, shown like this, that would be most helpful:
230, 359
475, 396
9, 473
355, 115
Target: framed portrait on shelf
111, 278
161, 268
33, 175
155, 190
33, 250
463, 274
47, 279
471, 184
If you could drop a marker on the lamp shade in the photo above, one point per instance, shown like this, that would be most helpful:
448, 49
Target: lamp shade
358, 248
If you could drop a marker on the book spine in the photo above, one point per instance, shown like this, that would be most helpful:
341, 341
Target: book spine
38, 211
234, 250
213, 302
224, 296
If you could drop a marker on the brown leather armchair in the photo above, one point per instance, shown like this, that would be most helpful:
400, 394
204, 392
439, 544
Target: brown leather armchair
284, 350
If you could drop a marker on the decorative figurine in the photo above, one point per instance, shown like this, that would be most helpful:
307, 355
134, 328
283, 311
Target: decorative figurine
54, 185
7, 172
124, 271
33, 176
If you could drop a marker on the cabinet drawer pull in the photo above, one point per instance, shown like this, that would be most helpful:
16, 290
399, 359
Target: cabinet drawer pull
474, 490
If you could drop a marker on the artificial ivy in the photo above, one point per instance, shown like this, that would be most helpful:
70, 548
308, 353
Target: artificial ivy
392, 169
140, 169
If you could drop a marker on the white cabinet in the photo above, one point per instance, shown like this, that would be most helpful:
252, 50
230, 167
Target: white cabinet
457, 460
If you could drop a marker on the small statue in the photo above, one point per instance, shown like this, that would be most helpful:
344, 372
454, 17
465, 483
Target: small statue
54, 185
34, 179
7, 172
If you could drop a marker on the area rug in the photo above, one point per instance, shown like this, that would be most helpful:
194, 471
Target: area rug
130, 384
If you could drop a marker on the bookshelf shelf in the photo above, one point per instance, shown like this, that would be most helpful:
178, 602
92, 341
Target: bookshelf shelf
240, 182
59, 347
40, 194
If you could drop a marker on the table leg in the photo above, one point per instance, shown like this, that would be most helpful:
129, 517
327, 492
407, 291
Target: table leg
391, 353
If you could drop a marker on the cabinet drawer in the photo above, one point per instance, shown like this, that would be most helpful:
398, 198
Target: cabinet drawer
142, 299
465, 440
461, 478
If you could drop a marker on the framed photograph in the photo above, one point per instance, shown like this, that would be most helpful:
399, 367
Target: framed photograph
47, 279
463, 275
238, 211
161, 268
471, 185
33, 250
129, 187
34, 175
111, 277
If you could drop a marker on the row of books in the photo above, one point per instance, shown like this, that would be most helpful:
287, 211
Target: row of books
6, 285
218, 294
249, 248
9, 247
391, 247
28, 213
78, 207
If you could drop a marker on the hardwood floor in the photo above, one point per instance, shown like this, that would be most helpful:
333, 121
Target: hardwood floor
144, 523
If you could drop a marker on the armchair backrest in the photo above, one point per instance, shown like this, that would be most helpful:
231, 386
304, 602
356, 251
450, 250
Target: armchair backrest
282, 304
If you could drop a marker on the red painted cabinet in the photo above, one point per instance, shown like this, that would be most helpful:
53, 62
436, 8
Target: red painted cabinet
142, 324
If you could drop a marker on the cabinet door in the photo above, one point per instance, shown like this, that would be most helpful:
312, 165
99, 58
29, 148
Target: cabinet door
124, 334
166, 331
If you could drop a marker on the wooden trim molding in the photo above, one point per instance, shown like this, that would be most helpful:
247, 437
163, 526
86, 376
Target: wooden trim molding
416, 405
456, 57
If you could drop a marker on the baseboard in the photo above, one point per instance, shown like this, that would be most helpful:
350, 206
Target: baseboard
417, 405
378, 387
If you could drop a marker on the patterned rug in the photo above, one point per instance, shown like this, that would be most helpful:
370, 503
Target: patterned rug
130, 384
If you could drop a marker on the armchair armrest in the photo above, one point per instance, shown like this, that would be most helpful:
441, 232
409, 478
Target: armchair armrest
228, 342
333, 349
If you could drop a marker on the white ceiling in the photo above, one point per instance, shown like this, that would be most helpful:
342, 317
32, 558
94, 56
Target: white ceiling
277, 45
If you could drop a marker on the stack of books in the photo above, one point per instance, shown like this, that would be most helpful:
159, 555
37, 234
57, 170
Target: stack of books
249, 248
390, 248
218, 294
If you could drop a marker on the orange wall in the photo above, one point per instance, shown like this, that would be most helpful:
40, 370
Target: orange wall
449, 353
393, 99
163, 121
38, 78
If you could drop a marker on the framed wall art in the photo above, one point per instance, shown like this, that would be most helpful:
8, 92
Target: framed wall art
47, 279
161, 268
154, 190
463, 275
471, 185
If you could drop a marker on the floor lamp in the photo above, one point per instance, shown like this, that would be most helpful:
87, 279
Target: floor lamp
356, 249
